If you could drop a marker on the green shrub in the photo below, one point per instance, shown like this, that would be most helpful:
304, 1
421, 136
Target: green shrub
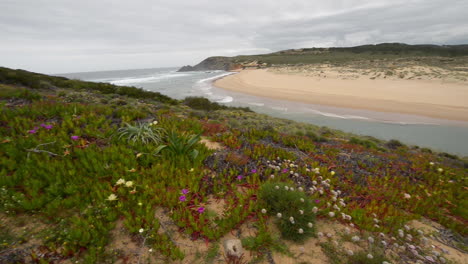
394, 144
366, 143
201, 103
448, 155
277, 199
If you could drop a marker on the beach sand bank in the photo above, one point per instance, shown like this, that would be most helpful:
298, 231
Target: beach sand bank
432, 98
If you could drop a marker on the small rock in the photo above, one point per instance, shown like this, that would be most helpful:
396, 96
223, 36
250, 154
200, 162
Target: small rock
233, 247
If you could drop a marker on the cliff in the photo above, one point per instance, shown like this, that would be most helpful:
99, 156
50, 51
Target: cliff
211, 64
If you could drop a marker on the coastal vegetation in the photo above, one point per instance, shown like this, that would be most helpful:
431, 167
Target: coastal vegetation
431, 55
98, 173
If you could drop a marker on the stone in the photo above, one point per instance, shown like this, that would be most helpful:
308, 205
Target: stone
233, 248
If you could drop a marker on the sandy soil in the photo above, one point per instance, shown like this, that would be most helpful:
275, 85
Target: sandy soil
437, 98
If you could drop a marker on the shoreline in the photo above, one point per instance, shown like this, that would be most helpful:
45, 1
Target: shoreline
433, 99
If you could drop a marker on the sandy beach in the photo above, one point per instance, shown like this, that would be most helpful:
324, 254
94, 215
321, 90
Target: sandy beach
435, 98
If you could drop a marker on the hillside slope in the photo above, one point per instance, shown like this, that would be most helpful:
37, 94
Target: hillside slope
97, 173
384, 51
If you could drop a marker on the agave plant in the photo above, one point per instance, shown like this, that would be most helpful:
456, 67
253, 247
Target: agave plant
142, 132
180, 144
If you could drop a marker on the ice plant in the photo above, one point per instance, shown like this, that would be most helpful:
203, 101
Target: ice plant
141, 230
185, 191
32, 131
279, 215
310, 225
239, 177
129, 184
201, 209
300, 231
264, 211
75, 138
182, 198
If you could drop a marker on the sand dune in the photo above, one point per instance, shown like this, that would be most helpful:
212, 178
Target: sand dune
432, 98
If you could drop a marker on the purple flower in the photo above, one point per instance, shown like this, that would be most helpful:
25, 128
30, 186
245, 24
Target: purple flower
239, 177
75, 137
185, 191
182, 198
317, 201
32, 131
254, 171
284, 171
42, 125
48, 127
201, 209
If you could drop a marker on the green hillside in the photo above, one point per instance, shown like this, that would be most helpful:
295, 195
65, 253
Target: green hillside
98, 173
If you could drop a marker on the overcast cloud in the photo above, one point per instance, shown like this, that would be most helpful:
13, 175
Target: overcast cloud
57, 36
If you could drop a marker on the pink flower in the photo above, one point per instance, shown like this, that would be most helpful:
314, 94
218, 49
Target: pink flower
239, 177
182, 198
201, 209
75, 137
254, 171
32, 131
284, 171
48, 127
185, 191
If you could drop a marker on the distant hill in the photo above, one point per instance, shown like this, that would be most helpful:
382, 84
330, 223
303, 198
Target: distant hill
330, 55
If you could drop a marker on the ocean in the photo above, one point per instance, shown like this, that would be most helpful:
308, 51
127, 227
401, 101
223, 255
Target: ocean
437, 134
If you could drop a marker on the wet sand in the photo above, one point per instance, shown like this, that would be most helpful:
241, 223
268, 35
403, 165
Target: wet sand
431, 98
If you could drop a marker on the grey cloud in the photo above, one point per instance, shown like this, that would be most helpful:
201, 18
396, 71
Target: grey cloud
64, 36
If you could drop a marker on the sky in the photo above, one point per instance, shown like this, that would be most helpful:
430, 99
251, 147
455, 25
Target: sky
60, 36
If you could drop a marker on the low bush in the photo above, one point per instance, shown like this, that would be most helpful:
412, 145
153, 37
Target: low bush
394, 144
201, 103
291, 208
